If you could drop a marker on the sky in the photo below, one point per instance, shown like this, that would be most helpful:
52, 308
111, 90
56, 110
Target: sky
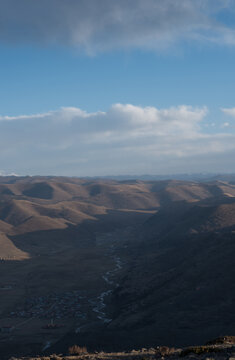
117, 87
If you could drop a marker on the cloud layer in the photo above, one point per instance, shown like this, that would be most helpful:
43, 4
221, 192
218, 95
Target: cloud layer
126, 139
106, 24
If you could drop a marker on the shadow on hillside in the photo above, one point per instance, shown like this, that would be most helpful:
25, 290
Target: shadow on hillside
77, 236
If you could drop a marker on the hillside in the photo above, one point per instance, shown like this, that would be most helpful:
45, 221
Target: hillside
116, 265
179, 285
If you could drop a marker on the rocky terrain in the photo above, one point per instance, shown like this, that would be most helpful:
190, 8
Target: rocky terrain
221, 348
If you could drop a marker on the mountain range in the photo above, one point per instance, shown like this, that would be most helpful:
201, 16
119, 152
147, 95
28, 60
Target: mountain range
146, 262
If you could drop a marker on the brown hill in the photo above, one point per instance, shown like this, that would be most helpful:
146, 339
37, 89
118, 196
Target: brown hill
9, 251
30, 204
167, 245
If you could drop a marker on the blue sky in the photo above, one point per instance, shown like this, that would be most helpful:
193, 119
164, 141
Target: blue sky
66, 65
38, 79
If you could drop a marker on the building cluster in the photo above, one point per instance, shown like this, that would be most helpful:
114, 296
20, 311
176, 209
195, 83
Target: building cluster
54, 306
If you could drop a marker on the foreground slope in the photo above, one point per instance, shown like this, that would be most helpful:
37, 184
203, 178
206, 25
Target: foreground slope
221, 348
179, 285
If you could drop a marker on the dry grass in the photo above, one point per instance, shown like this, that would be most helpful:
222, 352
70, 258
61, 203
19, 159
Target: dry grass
200, 350
77, 350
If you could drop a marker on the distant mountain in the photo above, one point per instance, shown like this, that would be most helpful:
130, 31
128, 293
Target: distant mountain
184, 177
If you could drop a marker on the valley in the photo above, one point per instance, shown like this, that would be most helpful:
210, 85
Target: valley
114, 265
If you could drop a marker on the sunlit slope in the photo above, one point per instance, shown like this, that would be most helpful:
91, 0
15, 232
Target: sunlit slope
9, 251
34, 204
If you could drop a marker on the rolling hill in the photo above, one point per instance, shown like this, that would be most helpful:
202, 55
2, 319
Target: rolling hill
149, 262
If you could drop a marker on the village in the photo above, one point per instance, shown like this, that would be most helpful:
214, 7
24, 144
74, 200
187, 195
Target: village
53, 306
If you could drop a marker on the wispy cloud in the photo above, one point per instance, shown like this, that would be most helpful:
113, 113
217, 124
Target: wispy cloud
229, 111
124, 139
103, 25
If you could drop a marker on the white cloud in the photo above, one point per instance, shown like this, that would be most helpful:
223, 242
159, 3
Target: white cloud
229, 111
102, 25
126, 138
